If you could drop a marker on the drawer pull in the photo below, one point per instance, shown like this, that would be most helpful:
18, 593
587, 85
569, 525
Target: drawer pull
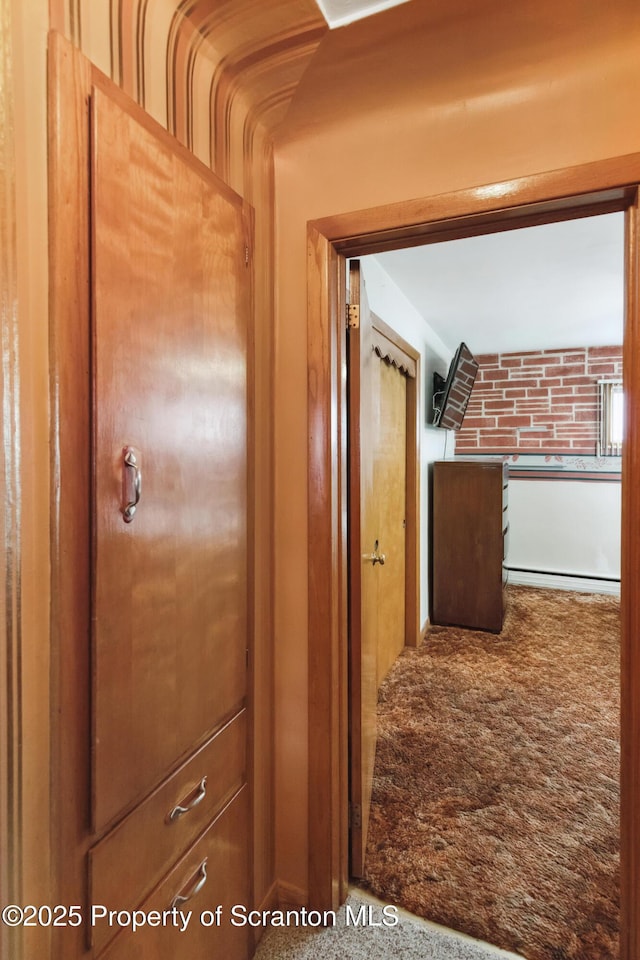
184, 807
198, 883
132, 484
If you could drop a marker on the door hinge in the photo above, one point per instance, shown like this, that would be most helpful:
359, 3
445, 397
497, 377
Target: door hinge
353, 316
246, 254
355, 816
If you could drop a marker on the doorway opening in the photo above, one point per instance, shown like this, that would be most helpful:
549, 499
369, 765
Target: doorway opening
526, 348
595, 188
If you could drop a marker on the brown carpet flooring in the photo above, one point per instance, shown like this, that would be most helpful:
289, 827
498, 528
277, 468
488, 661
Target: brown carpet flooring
496, 788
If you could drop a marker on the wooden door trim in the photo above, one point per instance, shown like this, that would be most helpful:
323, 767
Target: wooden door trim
412, 629
630, 607
15, 809
362, 678
327, 518
69, 310
606, 186
598, 187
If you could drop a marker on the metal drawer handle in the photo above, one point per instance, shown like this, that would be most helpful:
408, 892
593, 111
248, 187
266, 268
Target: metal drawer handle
183, 807
198, 884
131, 464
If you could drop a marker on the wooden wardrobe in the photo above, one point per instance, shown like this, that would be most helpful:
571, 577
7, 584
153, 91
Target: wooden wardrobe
151, 300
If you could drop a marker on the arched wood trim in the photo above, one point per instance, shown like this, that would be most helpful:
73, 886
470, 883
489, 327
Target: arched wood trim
598, 187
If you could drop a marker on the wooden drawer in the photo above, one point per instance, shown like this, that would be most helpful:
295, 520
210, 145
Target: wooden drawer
120, 880
224, 849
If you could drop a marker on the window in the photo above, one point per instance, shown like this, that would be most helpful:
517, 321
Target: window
611, 418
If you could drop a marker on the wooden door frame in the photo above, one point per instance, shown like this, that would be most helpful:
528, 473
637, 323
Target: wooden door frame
599, 187
14, 805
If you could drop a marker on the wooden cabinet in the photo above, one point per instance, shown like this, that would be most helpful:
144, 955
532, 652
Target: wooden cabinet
470, 528
151, 701
151, 646
170, 295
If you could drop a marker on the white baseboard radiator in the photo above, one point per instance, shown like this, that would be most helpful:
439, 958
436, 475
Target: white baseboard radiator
554, 580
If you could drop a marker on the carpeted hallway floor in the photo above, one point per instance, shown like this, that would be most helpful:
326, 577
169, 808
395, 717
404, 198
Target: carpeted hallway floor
409, 939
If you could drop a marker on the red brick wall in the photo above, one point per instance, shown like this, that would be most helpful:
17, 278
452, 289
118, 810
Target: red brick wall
553, 391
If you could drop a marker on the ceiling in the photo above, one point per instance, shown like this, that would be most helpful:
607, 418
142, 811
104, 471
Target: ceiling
544, 287
338, 13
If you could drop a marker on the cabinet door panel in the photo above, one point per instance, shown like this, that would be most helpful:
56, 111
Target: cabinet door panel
170, 303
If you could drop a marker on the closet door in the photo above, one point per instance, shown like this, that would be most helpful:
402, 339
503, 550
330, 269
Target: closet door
169, 568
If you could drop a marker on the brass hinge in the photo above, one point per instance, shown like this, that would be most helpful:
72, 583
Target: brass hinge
353, 316
246, 254
355, 816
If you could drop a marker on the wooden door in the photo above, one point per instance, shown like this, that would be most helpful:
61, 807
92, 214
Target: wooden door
383, 518
390, 503
170, 305
363, 572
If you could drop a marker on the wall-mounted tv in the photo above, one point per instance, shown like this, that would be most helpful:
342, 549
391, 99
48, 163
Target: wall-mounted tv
451, 396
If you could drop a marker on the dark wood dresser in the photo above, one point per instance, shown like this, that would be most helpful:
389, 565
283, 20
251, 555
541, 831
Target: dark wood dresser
470, 529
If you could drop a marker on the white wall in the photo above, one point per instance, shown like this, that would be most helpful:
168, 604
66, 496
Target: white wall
565, 527
391, 305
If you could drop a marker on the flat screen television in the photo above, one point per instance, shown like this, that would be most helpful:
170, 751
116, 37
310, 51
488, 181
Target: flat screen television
451, 396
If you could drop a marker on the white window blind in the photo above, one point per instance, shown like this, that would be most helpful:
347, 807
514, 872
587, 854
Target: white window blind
611, 418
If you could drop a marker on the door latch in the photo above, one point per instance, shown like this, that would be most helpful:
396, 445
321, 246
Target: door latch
375, 557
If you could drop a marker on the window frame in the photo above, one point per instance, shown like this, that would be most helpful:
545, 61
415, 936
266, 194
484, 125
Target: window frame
607, 390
